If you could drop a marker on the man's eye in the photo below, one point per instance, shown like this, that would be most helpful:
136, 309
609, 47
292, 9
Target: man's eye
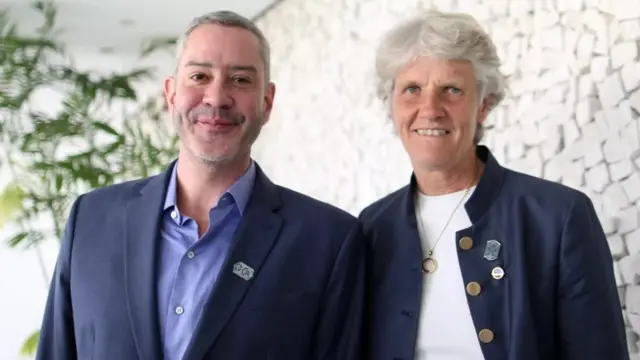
197, 77
241, 80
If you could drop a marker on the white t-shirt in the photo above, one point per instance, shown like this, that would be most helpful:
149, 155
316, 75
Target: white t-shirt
446, 330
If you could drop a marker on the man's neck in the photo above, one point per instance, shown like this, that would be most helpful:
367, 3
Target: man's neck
200, 185
462, 175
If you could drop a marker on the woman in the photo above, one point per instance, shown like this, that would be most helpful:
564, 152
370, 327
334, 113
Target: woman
471, 260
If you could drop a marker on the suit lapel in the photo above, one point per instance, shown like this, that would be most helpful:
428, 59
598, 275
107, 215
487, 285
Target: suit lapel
254, 239
143, 216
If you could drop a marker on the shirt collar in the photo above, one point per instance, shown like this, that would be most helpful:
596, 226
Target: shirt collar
487, 190
239, 191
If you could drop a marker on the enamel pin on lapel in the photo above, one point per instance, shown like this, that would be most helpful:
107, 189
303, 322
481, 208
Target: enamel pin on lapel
243, 270
492, 250
497, 273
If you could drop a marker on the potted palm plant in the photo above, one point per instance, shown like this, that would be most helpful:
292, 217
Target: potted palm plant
53, 156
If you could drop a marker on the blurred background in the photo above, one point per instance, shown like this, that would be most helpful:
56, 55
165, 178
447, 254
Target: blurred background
81, 108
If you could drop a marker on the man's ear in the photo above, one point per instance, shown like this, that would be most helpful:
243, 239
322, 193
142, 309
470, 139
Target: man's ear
169, 92
269, 97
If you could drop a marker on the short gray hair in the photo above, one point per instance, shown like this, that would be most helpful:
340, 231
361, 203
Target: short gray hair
229, 19
444, 35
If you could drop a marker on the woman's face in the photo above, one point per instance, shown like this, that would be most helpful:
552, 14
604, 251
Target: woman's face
436, 107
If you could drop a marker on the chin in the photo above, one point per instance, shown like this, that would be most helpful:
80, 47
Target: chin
214, 159
433, 163
211, 156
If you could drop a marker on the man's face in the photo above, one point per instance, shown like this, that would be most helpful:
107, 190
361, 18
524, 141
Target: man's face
436, 108
218, 98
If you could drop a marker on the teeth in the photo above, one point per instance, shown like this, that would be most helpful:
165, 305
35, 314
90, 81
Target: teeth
431, 132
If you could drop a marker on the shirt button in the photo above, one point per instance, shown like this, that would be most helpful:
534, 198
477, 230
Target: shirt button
174, 214
179, 310
190, 254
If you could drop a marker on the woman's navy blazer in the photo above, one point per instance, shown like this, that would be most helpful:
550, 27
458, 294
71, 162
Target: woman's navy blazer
557, 299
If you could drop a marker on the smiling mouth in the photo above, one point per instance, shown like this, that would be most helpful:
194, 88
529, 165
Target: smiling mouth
432, 132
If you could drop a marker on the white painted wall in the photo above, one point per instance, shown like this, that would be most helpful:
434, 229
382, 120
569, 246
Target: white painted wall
572, 115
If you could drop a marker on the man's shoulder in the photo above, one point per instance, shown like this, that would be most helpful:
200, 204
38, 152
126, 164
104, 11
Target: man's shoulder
115, 192
307, 206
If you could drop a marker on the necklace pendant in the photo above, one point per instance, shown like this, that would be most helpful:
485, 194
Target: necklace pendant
429, 265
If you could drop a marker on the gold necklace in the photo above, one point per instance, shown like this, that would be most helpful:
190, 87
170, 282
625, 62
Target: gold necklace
429, 263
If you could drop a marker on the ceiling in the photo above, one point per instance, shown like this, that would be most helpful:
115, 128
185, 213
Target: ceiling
120, 26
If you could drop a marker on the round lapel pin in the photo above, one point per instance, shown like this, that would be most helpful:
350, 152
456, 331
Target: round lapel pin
497, 273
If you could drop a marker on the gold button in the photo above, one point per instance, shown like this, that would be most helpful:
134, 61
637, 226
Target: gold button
465, 243
497, 273
473, 288
486, 336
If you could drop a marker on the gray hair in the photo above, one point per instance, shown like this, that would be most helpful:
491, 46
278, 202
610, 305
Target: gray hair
444, 35
229, 19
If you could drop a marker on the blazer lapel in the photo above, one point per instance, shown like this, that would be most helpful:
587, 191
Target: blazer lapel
254, 238
143, 216
412, 246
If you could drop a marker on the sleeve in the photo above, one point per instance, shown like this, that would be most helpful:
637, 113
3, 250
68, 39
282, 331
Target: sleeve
57, 335
590, 323
340, 330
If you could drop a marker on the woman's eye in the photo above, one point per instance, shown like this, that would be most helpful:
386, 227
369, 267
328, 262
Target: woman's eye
412, 89
453, 89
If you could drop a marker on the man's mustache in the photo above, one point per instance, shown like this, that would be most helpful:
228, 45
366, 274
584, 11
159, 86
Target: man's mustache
226, 115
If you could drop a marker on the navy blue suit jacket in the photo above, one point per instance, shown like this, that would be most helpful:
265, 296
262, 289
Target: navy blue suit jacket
557, 300
304, 302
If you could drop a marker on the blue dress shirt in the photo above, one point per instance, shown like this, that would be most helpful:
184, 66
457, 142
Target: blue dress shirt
189, 266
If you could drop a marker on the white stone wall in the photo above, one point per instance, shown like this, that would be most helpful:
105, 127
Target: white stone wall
572, 115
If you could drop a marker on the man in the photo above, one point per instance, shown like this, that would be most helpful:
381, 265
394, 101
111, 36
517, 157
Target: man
209, 260
471, 260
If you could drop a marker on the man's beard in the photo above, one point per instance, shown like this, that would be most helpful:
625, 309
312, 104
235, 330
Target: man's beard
185, 125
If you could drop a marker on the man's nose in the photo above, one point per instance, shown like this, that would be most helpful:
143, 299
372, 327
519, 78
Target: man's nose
217, 95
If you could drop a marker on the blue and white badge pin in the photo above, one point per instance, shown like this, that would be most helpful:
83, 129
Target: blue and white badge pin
492, 250
243, 270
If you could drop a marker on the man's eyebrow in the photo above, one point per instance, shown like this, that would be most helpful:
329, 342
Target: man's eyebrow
249, 68
207, 64
198, 64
